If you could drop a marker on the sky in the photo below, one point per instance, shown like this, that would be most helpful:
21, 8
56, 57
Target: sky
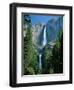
42, 18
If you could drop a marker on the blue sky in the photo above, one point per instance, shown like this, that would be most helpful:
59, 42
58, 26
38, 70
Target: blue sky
42, 18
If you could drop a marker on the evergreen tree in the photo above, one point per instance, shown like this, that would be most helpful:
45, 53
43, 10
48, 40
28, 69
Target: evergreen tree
46, 59
30, 56
57, 56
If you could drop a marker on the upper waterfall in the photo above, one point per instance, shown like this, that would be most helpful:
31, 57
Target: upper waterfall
44, 37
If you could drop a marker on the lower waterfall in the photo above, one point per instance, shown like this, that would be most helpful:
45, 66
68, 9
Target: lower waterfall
40, 62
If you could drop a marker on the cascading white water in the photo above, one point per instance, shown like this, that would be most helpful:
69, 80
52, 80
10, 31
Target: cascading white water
44, 37
40, 63
43, 44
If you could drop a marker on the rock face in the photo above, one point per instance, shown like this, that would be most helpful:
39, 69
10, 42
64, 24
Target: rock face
37, 34
53, 27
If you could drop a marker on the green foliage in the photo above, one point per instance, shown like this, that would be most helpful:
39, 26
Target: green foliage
57, 56
30, 55
29, 71
59, 34
46, 58
34, 62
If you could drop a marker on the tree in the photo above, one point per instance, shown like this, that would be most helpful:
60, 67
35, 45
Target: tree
26, 19
46, 59
30, 55
57, 55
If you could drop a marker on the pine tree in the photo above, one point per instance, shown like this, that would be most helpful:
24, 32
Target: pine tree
57, 55
46, 59
30, 55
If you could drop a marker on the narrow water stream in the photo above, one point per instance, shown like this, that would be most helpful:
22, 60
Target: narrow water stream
40, 62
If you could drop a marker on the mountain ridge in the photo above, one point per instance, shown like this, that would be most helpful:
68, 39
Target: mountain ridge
53, 27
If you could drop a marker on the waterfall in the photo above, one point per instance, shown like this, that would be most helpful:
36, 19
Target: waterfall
40, 63
44, 37
44, 41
